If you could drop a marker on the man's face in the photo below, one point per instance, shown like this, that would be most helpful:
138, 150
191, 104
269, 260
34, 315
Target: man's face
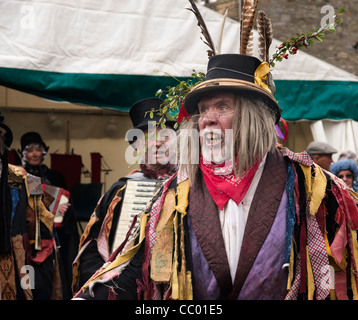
323, 160
215, 123
155, 156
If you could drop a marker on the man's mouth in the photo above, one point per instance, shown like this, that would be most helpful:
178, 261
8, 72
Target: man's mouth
212, 139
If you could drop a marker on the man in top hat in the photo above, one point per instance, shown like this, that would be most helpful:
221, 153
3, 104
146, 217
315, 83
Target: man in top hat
105, 221
321, 153
245, 224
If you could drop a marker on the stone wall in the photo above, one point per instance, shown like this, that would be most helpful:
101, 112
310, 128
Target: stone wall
292, 16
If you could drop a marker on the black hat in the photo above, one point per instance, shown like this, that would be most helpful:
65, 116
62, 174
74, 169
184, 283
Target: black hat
236, 73
32, 137
139, 113
8, 133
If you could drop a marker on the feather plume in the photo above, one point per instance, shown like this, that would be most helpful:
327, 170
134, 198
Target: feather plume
222, 31
240, 18
203, 28
264, 28
239, 5
247, 24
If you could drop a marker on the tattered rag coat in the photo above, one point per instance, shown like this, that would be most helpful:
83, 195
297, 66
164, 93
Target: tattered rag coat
299, 242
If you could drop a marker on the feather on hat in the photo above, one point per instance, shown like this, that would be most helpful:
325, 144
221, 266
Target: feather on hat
241, 73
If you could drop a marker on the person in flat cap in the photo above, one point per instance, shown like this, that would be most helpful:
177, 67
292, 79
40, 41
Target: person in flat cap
153, 171
321, 153
243, 218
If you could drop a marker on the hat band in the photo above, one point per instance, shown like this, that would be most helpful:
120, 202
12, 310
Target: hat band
259, 78
230, 70
229, 82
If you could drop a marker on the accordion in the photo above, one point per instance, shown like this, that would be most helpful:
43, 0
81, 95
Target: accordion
136, 197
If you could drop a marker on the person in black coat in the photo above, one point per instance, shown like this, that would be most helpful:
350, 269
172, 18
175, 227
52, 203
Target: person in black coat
92, 254
30, 269
33, 153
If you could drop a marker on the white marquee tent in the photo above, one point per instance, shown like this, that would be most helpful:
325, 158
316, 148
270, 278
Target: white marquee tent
105, 54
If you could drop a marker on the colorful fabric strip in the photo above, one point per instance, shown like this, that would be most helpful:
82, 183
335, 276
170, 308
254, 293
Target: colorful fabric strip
319, 258
290, 210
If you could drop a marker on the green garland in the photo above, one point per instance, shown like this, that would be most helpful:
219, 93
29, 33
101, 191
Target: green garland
303, 40
174, 96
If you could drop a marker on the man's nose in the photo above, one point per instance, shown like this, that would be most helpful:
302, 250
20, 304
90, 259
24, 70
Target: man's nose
210, 117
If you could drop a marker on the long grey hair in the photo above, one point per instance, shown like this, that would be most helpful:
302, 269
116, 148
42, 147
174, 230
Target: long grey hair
254, 134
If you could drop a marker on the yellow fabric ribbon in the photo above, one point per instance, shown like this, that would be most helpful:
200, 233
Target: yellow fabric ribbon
261, 75
183, 192
123, 257
354, 265
315, 187
290, 268
181, 281
310, 279
318, 190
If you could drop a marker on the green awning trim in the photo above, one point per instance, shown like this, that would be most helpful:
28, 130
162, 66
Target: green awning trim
309, 100
316, 100
101, 90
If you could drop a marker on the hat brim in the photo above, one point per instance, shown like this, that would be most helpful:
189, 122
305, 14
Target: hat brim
144, 124
144, 127
241, 87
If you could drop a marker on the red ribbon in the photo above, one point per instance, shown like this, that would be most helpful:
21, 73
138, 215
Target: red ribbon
183, 114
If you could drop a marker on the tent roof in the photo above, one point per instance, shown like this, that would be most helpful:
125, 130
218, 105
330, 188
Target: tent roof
106, 53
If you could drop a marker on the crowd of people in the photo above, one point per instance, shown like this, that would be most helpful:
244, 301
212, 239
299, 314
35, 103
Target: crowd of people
345, 168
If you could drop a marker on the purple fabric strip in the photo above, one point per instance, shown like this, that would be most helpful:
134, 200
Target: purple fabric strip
267, 280
205, 286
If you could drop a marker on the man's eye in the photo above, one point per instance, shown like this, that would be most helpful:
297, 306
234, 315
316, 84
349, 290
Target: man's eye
224, 108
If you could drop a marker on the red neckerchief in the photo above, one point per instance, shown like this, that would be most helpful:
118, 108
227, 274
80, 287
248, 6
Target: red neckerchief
222, 186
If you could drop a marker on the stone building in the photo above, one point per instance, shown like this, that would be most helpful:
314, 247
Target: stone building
290, 17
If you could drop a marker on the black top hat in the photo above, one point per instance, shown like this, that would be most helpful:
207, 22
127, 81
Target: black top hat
234, 73
140, 113
8, 134
32, 137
